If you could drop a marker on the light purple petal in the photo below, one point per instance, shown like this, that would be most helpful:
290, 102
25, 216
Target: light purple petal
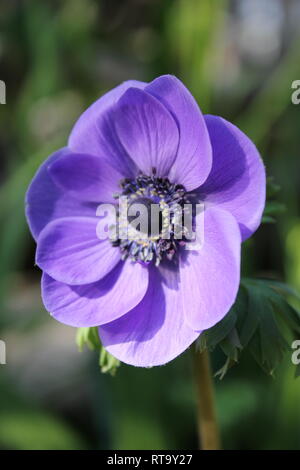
86, 177
70, 251
155, 331
46, 202
194, 157
210, 276
94, 131
147, 131
97, 303
111, 147
237, 181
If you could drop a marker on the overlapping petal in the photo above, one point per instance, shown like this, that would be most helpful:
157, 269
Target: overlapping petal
94, 132
84, 137
97, 303
237, 181
155, 331
86, 177
70, 251
194, 157
45, 201
147, 131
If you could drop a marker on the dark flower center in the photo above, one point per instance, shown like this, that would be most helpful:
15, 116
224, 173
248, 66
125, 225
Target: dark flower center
155, 219
145, 225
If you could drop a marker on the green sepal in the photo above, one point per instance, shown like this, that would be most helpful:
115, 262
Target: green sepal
108, 363
89, 337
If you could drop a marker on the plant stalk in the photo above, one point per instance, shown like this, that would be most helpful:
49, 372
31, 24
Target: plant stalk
209, 438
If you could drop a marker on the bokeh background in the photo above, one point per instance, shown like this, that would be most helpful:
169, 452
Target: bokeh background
239, 59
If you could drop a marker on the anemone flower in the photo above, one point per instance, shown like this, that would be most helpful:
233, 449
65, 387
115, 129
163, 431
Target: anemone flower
150, 142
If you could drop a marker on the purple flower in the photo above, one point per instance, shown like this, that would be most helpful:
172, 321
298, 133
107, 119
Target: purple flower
145, 140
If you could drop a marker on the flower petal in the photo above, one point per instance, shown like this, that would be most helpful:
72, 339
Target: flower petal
94, 132
155, 331
210, 276
147, 131
70, 251
45, 201
194, 157
86, 177
237, 181
97, 303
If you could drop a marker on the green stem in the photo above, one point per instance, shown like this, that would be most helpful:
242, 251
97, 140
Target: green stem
206, 412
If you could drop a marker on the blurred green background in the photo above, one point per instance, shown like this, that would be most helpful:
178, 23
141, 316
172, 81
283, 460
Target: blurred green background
239, 59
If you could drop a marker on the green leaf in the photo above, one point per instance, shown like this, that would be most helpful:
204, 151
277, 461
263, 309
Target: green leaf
231, 345
261, 320
224, 369
281, 286
274, 208
217, 333
272, 343
247, 321
272, 187
266, 219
